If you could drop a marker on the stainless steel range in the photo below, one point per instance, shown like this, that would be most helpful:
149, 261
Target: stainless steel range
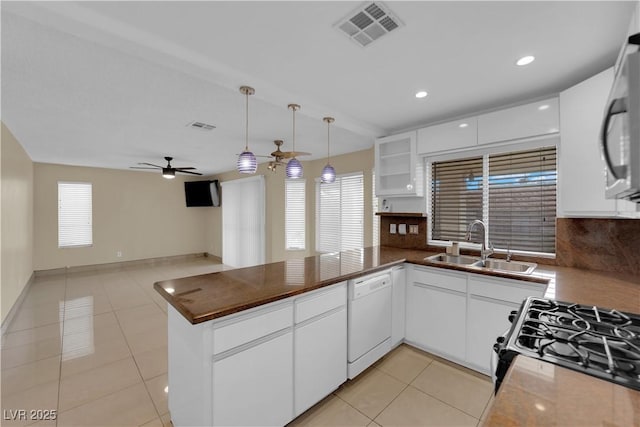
604, 343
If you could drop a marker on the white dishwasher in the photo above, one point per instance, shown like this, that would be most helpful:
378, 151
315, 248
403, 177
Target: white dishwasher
369, 320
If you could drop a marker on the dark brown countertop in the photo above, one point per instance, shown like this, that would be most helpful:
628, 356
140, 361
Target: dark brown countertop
533, 392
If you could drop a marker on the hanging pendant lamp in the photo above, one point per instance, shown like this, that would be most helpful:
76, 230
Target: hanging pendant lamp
328, 175
294, 167
247, 161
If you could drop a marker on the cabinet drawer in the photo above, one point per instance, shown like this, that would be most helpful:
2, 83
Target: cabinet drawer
321, 302
504, 289
439, 279
253, 326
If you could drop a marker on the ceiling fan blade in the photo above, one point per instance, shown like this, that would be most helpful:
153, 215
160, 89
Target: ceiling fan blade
291, 154
178, 169
138, 167
151, 164
258, 155
191, 173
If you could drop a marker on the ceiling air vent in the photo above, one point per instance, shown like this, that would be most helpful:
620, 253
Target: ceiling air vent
368, 23
200, 126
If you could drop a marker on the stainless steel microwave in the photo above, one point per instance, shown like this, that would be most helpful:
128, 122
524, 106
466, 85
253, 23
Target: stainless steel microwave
620, 134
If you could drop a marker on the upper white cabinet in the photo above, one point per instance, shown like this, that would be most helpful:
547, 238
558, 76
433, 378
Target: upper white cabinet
395, 163
524, 121
448, 136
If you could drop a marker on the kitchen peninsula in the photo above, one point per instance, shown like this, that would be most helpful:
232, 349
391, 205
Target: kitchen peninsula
257, 317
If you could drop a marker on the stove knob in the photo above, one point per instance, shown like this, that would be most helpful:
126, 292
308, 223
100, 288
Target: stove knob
500, 339
512, 316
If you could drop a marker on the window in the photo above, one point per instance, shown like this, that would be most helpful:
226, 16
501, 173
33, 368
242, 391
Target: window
340, 214
75, 223
294, 214
513, 193
375, 241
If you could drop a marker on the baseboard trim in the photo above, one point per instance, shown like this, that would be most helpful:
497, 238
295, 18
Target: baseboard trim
16, 305
123, 264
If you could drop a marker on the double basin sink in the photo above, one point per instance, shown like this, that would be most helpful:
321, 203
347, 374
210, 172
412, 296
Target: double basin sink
518, 267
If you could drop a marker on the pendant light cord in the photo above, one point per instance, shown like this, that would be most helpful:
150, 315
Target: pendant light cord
246, 133
294, 132
328, 139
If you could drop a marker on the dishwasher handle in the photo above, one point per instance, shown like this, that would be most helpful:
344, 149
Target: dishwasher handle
368, 286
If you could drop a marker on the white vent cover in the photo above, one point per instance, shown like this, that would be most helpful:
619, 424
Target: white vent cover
200, 126
368, 23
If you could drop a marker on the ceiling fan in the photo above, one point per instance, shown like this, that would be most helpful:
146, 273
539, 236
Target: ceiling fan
280, 156
168, 171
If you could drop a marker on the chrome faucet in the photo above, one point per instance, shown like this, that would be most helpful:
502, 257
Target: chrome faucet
484, 251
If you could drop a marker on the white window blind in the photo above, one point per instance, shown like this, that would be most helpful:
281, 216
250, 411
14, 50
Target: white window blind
522, 200
456, 197
75, 218
294, 214
375, 241
243, 228
340, 214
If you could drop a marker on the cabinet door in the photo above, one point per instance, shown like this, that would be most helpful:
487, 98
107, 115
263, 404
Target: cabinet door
524, 121
395, 164
448, 136
255, 386
488, 319
436, 320
320, 359
398, 300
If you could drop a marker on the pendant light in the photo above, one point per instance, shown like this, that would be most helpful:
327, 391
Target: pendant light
247, 161
294, 167
328, 172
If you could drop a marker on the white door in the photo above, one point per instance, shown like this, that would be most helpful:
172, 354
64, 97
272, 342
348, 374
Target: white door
243, 218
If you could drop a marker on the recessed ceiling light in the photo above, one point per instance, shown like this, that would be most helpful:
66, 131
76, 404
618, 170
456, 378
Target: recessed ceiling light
543, 107
421, 94
463, 125
525, 60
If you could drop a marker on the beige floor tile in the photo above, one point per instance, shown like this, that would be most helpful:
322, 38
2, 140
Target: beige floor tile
373, 424
32, 352
38, 315
414, 408
332, 411
29, 336
127, 297
92, 348
141, 318
460, 389
151, 339
83, 387
44, 294
84, 323
371, 392
128, 407
42, 396
158, 388
156, 422
404, 363
89, 305
30, 375
152, 363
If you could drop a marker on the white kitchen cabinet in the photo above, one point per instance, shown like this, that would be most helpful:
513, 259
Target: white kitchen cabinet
491, 299
255, 385
320, 346
398, 300
397, 172
448, 136
437, 311
524, 121
581, 169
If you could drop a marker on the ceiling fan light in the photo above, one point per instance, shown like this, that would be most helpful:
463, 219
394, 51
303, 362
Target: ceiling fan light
294, 169
168, 173
328, 175
247, 162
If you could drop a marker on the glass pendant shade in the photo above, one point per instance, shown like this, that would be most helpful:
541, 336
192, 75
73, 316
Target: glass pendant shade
247, 162
294, 169
328, 174
168, 173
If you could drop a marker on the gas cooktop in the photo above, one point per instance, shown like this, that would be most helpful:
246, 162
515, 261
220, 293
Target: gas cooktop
601, 342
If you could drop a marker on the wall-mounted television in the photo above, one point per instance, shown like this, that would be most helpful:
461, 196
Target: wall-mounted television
202, 193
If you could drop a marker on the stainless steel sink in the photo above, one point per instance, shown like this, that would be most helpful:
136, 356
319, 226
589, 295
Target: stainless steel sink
507, 266
452, 259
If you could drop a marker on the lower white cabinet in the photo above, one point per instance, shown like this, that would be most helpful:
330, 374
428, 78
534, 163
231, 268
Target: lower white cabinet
255, 385
398, 301
437, 311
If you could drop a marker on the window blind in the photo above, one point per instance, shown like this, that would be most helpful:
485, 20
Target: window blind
75, 217
294, 214
456, 197
376, 219
522, 200
340, 214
